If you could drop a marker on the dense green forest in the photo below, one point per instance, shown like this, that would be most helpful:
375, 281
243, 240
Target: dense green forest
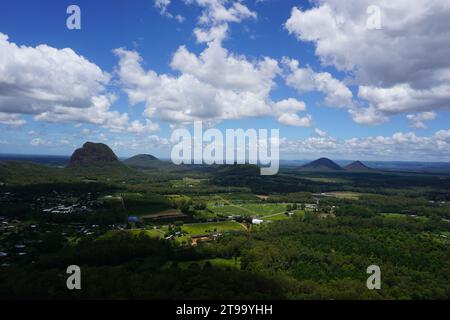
319, 234
307, 258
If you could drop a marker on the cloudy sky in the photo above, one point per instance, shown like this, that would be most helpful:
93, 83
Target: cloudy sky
336, 80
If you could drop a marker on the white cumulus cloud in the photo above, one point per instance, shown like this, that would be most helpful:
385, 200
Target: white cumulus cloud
213, 85
399, 146
216, 16
418, 120
337, 94
55, 85
11, 119
402, 68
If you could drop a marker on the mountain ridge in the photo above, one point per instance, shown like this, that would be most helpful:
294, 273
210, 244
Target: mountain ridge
141, 160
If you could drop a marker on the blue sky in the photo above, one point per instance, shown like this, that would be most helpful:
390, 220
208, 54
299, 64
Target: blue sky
338, 101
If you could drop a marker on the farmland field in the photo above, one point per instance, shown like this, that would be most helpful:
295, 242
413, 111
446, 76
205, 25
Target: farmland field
326, 180
205, 228
277, 217
345, 195
152, 233
282, 216
164, 214
249, 209
187, 182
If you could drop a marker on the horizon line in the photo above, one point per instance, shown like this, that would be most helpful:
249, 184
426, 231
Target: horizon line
168, 159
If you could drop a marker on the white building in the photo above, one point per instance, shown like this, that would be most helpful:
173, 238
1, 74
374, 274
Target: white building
257, 221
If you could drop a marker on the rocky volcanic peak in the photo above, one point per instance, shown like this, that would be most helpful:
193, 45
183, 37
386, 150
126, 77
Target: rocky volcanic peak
92, 154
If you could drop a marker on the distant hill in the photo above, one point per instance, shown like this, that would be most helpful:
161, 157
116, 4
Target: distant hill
50, 160
93, 154
25, 172
92, 162
322, 164
358, 166
151, 164
142, 161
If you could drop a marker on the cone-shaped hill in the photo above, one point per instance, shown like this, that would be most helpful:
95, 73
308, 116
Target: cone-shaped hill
322, 164
143, 161
357, 166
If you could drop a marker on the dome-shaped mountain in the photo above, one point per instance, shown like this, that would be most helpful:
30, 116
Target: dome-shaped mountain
92, 154
357, 166
322, 164
142, 161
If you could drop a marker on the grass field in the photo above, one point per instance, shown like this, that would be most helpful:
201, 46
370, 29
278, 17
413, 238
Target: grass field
403, 216
277, 217
205, 228
171, 213
282, 216
326, 180
204, 214
187, 182
191, 230
249, 209
346, 195
228, 210
236, 197
152, 233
